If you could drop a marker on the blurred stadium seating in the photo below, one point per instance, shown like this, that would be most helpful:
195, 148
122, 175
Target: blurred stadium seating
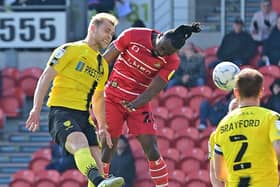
24, 178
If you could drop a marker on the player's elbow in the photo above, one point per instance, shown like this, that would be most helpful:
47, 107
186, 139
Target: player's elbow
214, 181
220, 176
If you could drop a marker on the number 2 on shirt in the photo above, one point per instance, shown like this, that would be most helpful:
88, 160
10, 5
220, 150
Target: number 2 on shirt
241, 152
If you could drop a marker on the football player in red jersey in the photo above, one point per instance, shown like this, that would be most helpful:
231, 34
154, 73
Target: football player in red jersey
145, 61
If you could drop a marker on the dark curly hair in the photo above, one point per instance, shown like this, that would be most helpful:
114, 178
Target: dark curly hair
179, 35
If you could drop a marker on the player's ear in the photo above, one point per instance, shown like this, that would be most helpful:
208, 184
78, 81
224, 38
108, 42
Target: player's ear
261, 92
92, 27
236, 92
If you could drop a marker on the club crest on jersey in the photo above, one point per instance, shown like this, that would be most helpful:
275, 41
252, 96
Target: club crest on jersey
135, 48
59, 53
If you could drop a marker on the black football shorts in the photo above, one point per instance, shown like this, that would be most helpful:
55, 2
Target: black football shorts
63, 121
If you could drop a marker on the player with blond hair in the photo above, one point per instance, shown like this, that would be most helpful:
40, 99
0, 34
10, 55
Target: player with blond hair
79, 74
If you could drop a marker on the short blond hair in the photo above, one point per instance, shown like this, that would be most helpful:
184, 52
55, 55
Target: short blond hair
100, 17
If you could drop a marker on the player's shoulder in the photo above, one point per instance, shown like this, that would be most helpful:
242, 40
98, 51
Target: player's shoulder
172, 59
138, 34
70, 48
175, 56
76, 44
264, 112
138, 30
274, 114
268, 111
64, 47
212, 135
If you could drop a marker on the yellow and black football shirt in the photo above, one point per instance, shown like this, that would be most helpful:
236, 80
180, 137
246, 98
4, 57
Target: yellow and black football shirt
244, 138
81, 70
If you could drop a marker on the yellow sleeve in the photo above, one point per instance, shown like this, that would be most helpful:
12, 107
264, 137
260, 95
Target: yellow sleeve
60, 57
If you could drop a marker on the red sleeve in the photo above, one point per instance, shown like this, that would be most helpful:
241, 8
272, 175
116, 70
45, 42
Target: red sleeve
169, 69
123, 40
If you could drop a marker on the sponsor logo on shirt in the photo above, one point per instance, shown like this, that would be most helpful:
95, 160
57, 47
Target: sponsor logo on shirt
80, 66
141, 68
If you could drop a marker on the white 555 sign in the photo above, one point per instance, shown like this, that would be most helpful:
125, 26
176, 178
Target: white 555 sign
32, 29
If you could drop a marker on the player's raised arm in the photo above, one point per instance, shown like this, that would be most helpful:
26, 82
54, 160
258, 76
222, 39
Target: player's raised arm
155, 87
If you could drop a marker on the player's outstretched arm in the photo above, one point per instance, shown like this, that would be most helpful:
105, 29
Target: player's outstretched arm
98, 104
42, 87
154, 88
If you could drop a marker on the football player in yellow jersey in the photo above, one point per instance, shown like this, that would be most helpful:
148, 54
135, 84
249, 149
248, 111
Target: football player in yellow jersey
214, 181
79, 73
247, 140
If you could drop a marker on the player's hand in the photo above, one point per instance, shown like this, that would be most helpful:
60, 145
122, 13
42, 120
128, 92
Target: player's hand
105, 137
196, 27
128, 105
33, 121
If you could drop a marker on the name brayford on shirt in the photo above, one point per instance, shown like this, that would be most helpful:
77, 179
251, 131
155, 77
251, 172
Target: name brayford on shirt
247, 123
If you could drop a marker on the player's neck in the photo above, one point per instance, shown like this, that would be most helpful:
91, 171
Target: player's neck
154, 38
91, 44
249, 102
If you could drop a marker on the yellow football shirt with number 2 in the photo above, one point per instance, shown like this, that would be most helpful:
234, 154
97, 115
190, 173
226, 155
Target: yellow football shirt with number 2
244, 138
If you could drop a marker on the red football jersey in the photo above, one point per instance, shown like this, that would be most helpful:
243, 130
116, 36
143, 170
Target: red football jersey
136, 66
